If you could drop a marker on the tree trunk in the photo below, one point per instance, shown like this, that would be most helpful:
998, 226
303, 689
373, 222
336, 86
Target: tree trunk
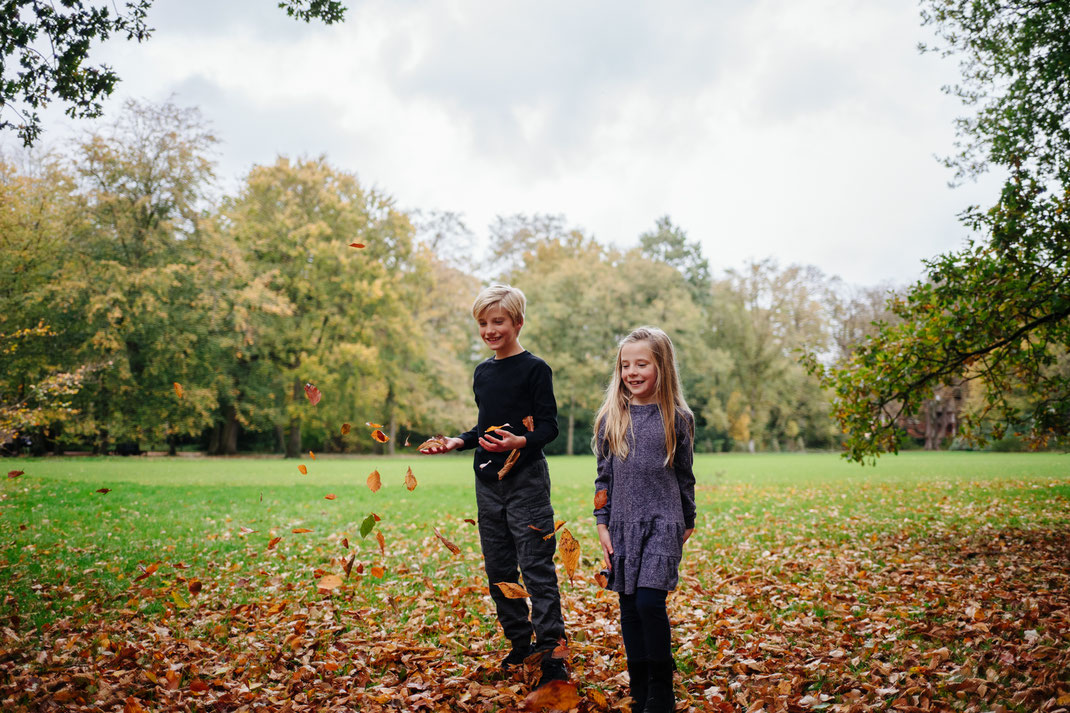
214, 439
101, 446
280, 438
231, 428
392, 423
293, 444
172, 445
932, 426
571, 429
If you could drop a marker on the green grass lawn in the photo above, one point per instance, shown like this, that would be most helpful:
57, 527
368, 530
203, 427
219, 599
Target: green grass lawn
780, 539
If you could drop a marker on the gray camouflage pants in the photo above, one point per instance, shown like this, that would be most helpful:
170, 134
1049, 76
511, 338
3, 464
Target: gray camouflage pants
506, 509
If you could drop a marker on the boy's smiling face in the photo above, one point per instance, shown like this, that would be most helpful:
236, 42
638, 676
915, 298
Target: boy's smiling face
499, 332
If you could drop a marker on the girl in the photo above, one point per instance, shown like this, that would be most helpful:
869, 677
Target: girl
644, 432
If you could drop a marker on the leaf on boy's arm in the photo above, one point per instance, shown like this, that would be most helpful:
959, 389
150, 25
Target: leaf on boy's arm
374, 481
380, 436
601, 498
511, 590
313, 394
410, 480
570, 553
449, 545
529, 423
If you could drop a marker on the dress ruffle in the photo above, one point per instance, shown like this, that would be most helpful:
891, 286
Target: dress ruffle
645, 554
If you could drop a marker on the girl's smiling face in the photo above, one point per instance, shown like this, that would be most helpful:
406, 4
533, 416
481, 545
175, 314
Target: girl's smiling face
638, 372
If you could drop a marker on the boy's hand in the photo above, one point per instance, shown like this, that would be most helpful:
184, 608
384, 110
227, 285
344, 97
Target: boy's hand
451, 444
607, 544
498, 441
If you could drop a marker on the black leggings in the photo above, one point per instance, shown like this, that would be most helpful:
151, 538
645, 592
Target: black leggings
644, 624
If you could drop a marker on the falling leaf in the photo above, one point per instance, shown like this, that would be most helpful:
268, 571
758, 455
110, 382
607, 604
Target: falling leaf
312, 455
367, 525
348, 565
557, 526
556, 695
536, 529
406, 444
512, 590
303, 469
300, 530
410, 480
569, 547
194, 586
148, 571
15, 473
432, 442
372, 424
484, 465
514, 455
382, 542
600, 499
312, 393
179, 601
375, 481
358, 246
345, 542
380, 436
329, 496
470, 521
449, 545
274, 541
178, 389
105, 491
247, 530
602, 579
329, 582
496, 428
378, 571
345, 428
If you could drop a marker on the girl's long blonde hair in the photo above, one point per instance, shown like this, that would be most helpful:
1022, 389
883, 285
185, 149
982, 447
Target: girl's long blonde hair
614, 420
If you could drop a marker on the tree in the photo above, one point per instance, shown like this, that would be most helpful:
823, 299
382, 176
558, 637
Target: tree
668, 243
45, 53
996, 312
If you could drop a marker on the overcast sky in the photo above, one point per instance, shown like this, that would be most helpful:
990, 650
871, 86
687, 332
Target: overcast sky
805, 130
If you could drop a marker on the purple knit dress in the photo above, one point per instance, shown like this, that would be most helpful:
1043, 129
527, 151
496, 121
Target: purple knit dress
650, 505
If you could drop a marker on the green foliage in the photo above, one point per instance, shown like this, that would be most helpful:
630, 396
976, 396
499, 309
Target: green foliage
45, 53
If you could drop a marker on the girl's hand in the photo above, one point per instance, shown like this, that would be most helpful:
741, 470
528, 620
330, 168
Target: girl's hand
498, 441
687, 533
451, 444
607, 544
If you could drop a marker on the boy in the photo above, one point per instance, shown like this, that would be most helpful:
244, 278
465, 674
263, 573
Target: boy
509, 387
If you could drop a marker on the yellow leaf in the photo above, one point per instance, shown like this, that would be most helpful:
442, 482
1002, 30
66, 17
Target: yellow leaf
179, 601
512, 590
570, 552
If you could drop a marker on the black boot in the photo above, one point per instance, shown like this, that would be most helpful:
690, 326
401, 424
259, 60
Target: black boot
520, 651
660, 698
639, 676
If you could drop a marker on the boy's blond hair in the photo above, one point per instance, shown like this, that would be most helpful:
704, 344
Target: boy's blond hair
509, 298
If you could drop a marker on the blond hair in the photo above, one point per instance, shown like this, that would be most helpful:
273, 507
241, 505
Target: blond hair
614, 421
510, 299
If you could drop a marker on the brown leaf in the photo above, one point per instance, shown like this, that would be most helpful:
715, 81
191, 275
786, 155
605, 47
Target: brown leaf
536, 529
312, 393
132, 705
303, 469
556, 695
377, 571
358, 246
602, 579
198, 686
194, 586
345, 542
329, 582
274, 541
348, 566
382, 542
104, 491
600, 499
514, 455
148, 571
178, 389
512, 590
410, 480
299, 530
449, 545
557, 526
375, 481
470, 521
569, 547
15, 473
380, 436
372, 424
172, 678
345, 428
329, 496
529, 423
561, 650
432, 442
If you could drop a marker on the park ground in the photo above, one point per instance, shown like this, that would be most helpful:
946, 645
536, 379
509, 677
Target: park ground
929, 582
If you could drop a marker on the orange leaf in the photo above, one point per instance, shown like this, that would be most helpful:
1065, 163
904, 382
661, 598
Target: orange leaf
303, 469
600, 499
374, 481
329, 496
569, 547
602, 579
536, 529
432, 442
496, 428
380, 436
15, 473
372, 424
329, 582
512, 590
358, 246
173, 679
132, 705
410, 480
529, 423
378, 571
382, 542
557, 526
299, 530
312, 393
194, 586
514, 455
449, 545
148, 571
377, 518
178, 389
312, 455
345, 428
274, 541
556, 695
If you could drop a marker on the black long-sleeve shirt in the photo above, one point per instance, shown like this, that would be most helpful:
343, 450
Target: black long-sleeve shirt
506, 391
